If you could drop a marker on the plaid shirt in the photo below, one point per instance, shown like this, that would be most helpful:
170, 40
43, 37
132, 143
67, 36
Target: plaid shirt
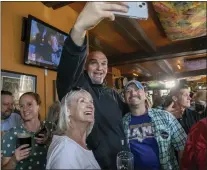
163, 121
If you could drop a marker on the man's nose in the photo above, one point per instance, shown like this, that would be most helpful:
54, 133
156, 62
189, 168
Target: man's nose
11, 106
133, 92
99, 67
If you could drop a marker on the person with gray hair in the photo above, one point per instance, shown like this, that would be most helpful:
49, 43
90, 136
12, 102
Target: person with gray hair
76, 68
53, 113
68, 149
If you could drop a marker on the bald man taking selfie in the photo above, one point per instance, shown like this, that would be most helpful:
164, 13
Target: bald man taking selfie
107, 137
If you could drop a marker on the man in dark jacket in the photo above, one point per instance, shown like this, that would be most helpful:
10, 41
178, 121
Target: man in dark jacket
107, 137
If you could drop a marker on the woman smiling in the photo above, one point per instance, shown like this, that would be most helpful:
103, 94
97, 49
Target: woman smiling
25, 146
68, 149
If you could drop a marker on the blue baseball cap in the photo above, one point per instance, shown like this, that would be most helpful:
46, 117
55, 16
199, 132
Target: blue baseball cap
137, 83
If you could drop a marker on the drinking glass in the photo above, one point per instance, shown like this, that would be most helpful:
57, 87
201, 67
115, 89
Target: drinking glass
24, 138
125, 161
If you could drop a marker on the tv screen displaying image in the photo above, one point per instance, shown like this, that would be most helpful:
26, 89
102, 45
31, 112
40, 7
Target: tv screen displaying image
44, 44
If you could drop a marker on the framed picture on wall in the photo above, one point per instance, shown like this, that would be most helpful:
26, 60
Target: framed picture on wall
17, 83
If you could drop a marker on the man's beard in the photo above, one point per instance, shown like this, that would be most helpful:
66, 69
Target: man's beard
133, 106
5, 116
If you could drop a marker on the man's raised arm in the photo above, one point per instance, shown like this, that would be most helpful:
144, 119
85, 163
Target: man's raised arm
73, 56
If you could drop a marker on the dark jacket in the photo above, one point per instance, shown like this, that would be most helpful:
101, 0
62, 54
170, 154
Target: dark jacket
188, 119
105, 138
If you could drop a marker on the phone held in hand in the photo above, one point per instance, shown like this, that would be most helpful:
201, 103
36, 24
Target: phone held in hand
43, 130
137, 10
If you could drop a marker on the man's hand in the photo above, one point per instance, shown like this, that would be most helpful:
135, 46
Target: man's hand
92, 14
176, 111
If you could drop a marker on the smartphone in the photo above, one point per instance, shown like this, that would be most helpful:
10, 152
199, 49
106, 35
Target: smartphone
41, 131
137, 10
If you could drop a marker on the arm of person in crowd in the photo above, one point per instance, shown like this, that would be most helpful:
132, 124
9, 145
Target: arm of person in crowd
8, 162
178, 135
8, 156
20, 153
70, 67
188, 154
195, 152
74, 51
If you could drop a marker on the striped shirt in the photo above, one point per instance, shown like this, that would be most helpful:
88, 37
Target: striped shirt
163, 123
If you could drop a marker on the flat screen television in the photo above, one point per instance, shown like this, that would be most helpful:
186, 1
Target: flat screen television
43, 44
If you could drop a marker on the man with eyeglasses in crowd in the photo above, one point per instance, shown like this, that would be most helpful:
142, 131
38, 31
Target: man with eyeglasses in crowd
107, 137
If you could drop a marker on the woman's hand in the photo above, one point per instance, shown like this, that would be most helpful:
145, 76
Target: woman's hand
42, 139
22, 152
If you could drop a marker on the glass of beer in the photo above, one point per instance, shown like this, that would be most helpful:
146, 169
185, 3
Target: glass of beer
24, 138
125, 161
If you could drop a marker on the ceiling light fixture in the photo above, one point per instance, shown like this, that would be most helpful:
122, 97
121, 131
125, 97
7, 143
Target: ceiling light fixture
179, 67
135, 74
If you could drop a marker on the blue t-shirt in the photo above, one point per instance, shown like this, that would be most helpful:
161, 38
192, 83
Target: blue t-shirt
143, 143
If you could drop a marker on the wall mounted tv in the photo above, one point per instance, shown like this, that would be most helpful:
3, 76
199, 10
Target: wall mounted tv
43, 44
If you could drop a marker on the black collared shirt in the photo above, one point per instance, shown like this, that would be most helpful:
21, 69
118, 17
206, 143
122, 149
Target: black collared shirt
188, 119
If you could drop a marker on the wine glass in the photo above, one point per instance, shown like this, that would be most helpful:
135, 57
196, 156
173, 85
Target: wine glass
125, 161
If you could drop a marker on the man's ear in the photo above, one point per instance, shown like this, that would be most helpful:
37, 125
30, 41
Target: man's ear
174, 98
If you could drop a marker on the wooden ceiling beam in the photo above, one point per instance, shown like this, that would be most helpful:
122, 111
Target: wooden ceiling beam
96, 44
131, 30
56, 4
190, 47
175, 76
143, 70
165, 66
190, 73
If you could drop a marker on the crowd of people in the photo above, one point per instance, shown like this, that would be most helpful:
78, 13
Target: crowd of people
92, 124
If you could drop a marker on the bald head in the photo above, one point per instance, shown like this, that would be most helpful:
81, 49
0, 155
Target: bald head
96, 55
97, 66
